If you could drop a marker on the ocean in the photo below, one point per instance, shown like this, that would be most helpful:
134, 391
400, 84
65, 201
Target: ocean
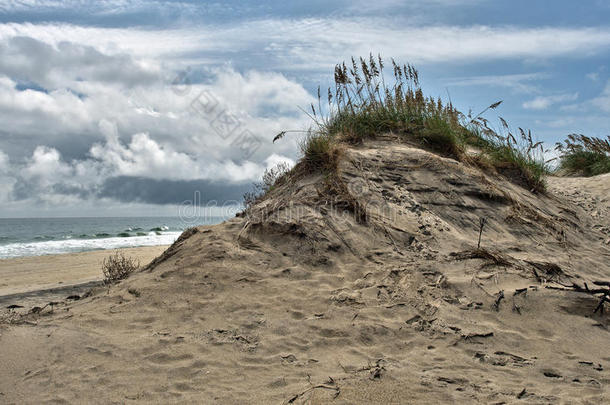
44, 236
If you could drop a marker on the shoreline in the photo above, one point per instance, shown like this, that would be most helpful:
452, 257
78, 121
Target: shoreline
37, 277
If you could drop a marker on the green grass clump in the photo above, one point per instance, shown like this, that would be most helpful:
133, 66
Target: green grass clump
364, 104
518, 157
583, 155
522, 168
439, 135
319, 152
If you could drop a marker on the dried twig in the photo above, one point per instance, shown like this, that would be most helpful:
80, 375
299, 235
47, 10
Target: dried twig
482, 222
600, 306
499, 298
331, 385
604, 297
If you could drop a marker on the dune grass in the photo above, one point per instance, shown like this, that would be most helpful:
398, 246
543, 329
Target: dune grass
365, 104
583, 155
272, 178
319, 152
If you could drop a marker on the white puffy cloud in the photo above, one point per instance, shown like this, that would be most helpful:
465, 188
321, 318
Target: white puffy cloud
275, 160
26, 112
544, 102
74, 125
46, 178
264, 103
45, 165
144, 157
254, 92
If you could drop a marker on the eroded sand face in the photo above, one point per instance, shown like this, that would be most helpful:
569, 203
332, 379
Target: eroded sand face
302, 302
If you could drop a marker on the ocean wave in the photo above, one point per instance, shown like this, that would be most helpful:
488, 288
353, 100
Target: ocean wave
82, 245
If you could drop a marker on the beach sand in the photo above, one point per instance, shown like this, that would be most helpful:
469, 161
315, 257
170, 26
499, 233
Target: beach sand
38, 278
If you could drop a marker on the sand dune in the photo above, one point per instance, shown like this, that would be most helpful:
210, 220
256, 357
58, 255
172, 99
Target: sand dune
373, 291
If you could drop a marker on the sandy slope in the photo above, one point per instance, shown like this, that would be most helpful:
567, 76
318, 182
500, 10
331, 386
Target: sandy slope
592, 194
375, 296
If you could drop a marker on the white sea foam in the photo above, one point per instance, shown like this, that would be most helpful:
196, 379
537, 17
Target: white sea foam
82, 245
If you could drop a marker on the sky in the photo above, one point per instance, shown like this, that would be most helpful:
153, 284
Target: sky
131, 107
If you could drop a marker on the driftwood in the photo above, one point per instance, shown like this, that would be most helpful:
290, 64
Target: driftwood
499, 298
329, 385
600, 306
602, 293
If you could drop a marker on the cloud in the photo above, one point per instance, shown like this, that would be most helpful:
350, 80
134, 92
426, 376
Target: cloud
45, 165
98, 8
544, 102
6, 180
260, 93
593, 76
66, 118
275, 160
93, 132
598, 103
364, 6
63, 64
144, 157
166, 12
603, 100
517, 82
141, 171
14, 5
318, 43
152, 191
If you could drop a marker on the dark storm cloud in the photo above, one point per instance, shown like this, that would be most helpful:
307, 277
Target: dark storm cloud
22, 190
66, 189
26, 189
144, 190
72, 146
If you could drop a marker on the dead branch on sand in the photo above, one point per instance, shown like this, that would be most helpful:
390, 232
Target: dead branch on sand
602, 293
329, 385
